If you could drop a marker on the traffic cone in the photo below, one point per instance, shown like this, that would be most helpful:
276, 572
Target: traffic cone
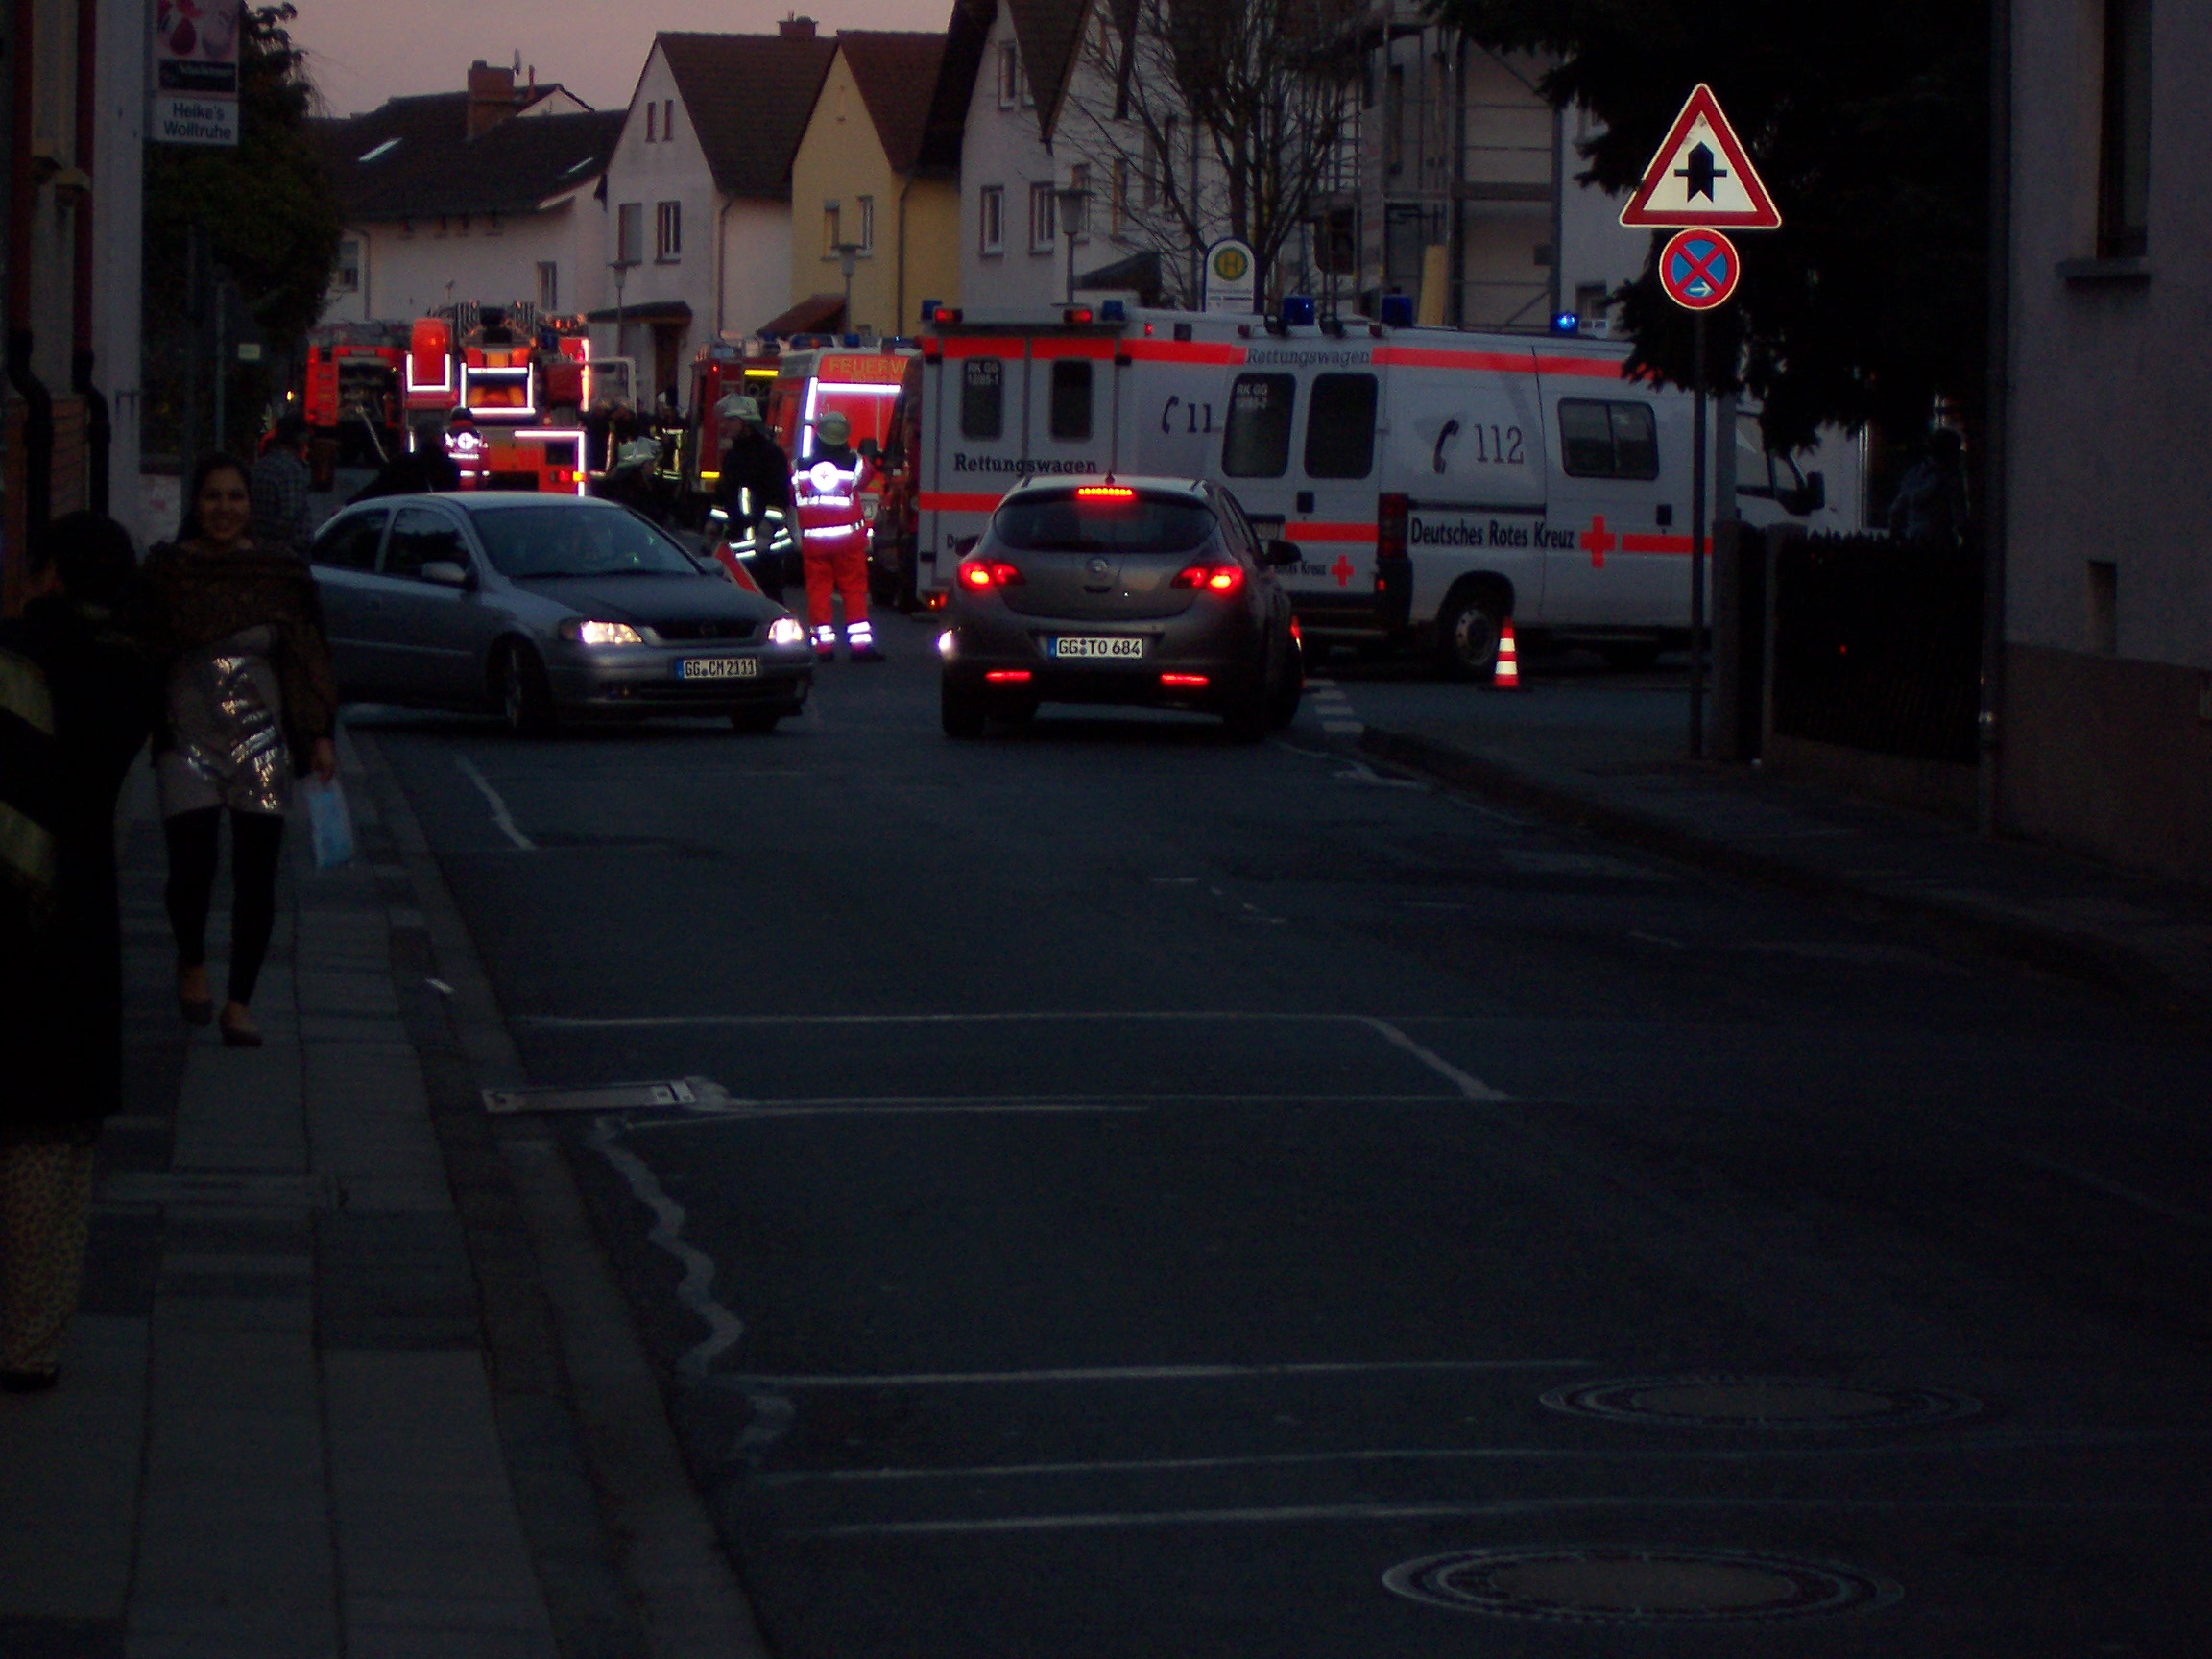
1506, 676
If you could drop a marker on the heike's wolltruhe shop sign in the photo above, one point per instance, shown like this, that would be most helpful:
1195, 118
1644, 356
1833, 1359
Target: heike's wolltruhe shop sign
195, 72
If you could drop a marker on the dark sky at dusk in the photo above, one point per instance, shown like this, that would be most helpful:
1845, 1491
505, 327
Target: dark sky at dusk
362, 54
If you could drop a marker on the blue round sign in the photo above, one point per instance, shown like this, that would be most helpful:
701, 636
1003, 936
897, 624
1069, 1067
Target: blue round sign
1698, 269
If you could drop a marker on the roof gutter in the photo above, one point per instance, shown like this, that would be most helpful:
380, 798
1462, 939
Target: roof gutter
721, 259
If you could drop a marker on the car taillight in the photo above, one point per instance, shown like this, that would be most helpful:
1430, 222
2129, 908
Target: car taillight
980, 575
1184, 682
1007, 676
1213, 578
1390, 526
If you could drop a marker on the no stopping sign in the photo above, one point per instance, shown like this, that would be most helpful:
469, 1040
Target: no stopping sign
1698, 269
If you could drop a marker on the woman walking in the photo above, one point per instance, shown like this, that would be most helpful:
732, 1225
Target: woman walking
250, 703
75, 703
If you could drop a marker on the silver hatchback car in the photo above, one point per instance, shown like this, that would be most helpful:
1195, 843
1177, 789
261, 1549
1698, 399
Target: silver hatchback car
546, 606
1131, 590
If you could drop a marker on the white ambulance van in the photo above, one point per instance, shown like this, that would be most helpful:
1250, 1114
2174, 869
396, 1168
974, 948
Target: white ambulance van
1437, 482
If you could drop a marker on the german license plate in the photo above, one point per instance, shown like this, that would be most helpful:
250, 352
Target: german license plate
1119, 647
718, 668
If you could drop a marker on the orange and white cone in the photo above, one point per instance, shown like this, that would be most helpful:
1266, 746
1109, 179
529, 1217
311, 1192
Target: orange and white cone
1506, 676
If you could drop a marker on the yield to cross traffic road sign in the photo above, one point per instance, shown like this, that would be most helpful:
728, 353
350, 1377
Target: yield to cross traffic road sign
1702, 174
1698, 269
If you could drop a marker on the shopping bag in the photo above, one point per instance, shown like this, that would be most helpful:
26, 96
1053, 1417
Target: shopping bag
331, 824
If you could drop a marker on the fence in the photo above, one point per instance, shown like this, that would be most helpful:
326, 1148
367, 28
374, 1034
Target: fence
1878, 645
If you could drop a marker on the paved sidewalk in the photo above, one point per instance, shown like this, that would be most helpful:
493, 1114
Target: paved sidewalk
1610, 763
316, 1401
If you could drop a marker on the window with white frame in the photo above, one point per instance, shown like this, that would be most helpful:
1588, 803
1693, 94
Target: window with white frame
1040, 218
345, 276
1009, 76
548, 287
630, 233
864, 226
669, 232
991, 220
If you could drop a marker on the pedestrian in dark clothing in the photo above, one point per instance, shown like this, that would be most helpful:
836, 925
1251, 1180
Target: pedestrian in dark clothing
419, 472
755, 481
282, 515
250, 701
76, 700
1930, 510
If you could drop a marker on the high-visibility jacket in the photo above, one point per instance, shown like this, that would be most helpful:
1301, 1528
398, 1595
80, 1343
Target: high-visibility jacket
828, 498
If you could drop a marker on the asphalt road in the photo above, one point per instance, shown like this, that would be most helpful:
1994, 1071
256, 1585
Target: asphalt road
1164, 1180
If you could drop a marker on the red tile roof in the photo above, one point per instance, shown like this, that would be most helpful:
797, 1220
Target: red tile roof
896, 74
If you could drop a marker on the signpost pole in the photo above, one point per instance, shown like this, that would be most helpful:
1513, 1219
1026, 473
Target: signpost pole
1697, 535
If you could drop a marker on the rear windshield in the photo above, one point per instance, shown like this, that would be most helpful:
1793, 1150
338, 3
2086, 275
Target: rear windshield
1103, 524
533, 542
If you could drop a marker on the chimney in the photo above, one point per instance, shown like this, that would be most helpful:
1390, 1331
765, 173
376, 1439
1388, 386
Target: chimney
796, 28
490, 97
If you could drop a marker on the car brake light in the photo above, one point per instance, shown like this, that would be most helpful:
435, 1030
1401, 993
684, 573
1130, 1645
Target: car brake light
1105, 493
981, 574
1184, 682
1213, 578
1007, 676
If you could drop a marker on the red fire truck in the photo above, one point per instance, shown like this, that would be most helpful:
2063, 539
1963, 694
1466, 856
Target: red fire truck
523, 390
354, 398
717, 371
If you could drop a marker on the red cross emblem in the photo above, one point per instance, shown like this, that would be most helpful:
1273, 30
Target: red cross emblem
1598, 541
1342, 570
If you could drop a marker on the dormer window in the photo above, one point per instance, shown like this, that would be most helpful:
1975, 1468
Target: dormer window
384, 149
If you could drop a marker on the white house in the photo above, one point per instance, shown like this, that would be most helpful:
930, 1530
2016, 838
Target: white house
698, 225
2104, 725
1010, 251
489, 196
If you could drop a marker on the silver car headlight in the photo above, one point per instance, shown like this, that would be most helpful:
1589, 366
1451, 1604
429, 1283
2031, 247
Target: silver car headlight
787, 631
583, 633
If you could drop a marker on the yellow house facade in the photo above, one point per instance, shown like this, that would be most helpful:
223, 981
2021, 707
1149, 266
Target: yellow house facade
877, 171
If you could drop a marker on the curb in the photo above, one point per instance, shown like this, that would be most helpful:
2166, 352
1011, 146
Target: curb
2089, 958
559, 1337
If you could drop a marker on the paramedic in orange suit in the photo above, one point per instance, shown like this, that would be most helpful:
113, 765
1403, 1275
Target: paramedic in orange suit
833, 540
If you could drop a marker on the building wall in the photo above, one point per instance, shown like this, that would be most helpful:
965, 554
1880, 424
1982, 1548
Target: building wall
1002, 147
757, 238
118, 173
933, 244
2106, 728
407, 270
841, 161
670, 168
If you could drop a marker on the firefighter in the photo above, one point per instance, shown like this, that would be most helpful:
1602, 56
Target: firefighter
833, 539
756, 482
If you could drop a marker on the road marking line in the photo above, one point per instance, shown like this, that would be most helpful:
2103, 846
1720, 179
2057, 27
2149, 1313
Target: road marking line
1350, 728
1499, 1511
750, 1111
1149, 1373
1472, 1087
696, 1289
499, 813
1359, 772
1995, 1445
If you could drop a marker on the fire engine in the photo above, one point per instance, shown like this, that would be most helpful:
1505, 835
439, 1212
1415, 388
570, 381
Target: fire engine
747, 370
522, 382
1437, 482
354, 395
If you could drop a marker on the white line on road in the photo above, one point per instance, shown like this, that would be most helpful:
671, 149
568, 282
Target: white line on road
748, 1111
1502, 1510
499, 813
696, 1289
1997, 1443
1154, 1373
1472, 1087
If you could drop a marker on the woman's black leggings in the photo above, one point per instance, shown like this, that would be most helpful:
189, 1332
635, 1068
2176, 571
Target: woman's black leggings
254, 840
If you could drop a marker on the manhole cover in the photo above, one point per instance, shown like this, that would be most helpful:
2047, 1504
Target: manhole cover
1636, 1585
1760, 1403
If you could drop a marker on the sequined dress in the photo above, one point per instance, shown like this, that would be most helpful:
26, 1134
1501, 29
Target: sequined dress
227, 719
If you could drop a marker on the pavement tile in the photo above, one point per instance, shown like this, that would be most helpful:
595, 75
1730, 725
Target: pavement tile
74, 1452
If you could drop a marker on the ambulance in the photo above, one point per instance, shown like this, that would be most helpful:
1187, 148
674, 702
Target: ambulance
1436, 482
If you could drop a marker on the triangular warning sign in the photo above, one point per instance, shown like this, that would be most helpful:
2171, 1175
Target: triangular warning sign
1703, 175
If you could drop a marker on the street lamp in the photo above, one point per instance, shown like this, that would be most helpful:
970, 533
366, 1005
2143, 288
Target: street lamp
1074, 203
847, 259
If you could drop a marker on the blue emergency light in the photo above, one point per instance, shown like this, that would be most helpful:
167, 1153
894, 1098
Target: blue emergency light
1298, 310
1566, 322
1397, 310
1113, 311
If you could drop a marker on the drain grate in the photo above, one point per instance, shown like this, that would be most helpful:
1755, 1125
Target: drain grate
1761, 1402
1637, 1586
